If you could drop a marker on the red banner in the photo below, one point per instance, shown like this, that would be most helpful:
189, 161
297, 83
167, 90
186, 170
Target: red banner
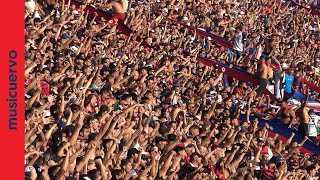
12, 90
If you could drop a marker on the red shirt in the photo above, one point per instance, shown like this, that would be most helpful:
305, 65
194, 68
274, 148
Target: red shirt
220, 174
45, 88
187, 159
240, 90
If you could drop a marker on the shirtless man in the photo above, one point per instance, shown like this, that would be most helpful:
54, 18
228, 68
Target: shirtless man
119, 9
303, 115
265, 71
286, 114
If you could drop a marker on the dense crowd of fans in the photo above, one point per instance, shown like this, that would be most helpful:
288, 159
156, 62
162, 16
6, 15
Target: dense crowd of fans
100, 105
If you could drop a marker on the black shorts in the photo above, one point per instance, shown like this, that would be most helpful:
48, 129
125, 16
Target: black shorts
262, 86
303, 129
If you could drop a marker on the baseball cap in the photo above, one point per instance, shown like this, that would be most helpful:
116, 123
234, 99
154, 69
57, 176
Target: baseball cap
276, 159
65, 36
172, 137
189, 146
264, 150
284, 65
260, 140
160, 138
311, 111
179, 147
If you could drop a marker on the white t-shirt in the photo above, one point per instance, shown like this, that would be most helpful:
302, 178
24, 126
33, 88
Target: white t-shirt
313, 123
238, 43
317, 69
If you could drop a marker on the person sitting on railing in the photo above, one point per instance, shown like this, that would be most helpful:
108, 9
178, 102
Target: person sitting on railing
286, 114
303, 116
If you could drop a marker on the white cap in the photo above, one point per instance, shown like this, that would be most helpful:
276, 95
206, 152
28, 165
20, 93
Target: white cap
29, 169
75, 12
284, 65
103, 19
133, 172
74, 49
185, 19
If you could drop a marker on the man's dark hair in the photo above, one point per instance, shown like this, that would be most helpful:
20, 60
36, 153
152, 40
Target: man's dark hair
106, 89
45, 69
83, 128
124, 162
193, 127
310, 168
103, 109
70, 130
52, 170
105, 141
115, 173
240, 28
92, 136
75, 107
132, 152
92, 174
193, 155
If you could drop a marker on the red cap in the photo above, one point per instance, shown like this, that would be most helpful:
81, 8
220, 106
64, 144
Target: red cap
264, 150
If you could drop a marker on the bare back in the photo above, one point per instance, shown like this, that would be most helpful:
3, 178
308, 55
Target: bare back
284, 117
302, 113
124, 4
117, 7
